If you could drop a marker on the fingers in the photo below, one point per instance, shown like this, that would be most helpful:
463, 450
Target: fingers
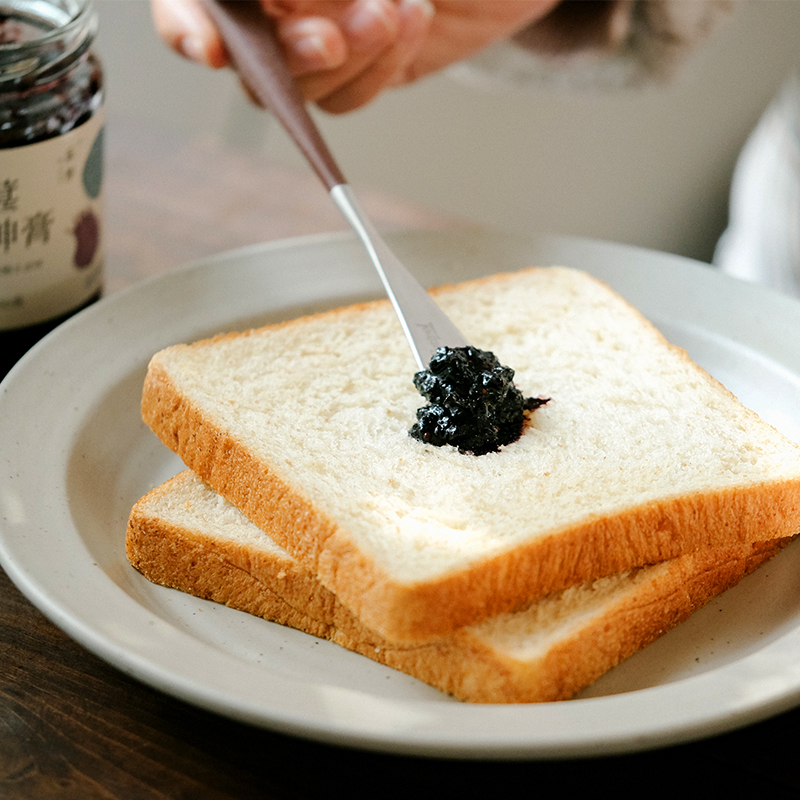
312, 44
186, 28
342, 54
369, 28
387, 67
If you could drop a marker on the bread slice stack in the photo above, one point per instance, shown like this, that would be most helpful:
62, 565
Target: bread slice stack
641, 490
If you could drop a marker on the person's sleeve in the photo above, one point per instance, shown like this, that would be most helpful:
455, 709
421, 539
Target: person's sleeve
602, 43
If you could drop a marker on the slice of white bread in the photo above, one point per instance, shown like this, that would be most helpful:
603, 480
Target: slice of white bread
185, 536
640, 455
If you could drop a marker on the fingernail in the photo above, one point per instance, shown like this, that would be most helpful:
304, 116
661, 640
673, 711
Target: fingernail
367, 14
307, 45
194, 49
310, 48
425, 6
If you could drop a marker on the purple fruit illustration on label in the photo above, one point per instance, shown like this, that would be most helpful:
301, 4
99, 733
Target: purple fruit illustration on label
87, 238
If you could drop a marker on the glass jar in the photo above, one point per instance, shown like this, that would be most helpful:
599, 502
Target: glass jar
51, 168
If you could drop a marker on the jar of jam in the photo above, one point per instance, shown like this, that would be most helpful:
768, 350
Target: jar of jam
51, 168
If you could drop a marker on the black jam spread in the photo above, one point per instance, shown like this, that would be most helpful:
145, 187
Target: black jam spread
473, 403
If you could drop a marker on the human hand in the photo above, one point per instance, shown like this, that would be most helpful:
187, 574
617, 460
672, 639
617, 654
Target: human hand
343, 53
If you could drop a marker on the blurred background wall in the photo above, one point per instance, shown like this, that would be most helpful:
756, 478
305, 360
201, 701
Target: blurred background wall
650, 166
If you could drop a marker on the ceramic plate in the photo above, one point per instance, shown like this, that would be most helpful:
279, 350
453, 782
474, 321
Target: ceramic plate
74, 457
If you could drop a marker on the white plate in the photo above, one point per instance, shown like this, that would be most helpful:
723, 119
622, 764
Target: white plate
75, 456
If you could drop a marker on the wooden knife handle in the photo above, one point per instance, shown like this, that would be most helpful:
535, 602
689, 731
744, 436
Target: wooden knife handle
252, 44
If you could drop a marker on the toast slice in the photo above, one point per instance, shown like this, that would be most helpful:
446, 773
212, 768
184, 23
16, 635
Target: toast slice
640, 456
184, 536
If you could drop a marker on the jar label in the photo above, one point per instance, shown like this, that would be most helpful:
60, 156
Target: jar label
51, 235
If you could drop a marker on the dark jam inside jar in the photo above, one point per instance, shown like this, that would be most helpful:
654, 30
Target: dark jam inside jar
50, 82
16, 28
473, 404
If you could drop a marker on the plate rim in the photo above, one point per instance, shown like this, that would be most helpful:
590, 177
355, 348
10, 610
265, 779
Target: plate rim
421, 743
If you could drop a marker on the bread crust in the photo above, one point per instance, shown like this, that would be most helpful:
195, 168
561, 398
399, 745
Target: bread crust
466, 664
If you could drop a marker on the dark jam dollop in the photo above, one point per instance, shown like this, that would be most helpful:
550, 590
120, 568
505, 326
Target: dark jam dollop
473, 404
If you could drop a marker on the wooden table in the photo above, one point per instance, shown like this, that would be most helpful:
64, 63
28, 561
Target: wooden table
74, 728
